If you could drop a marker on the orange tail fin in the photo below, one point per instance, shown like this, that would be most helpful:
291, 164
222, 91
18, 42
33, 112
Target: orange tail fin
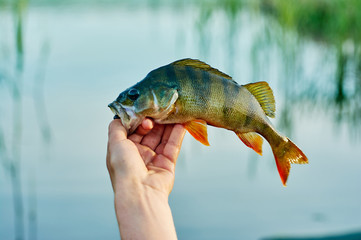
286, 153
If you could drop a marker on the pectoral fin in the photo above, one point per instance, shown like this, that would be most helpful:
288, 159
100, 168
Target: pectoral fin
252, 140
198, 129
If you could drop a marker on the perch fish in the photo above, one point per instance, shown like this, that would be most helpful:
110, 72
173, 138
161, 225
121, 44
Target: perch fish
194, 94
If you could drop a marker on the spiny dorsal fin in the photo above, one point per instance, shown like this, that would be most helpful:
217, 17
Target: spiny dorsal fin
264, 95
201, 65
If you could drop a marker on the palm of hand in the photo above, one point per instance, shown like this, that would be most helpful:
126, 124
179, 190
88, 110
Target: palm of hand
147, 156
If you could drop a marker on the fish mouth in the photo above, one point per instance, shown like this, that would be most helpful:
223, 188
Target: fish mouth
127, 115
114, 110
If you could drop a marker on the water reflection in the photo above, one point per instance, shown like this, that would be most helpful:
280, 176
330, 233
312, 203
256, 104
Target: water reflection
11, 147
12, 155
330, 25
288, 28
206, 25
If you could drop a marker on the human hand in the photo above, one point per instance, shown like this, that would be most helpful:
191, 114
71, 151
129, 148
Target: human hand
141, 167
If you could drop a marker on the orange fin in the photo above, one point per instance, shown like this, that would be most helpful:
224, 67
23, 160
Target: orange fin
264, 95
285, 154
198, 129
252, 140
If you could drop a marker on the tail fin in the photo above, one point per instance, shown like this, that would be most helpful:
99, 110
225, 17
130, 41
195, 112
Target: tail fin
286, 153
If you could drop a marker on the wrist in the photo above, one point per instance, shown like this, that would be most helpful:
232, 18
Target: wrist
143, 213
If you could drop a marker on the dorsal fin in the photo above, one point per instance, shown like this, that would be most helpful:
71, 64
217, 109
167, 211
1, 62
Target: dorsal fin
264, 95
201, 65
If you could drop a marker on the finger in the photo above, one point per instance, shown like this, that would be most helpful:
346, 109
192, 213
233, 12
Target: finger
116, 134
135, 137
123, 159
116, 131
167, 131
143, 129
174, 142
152, 140
146, 153
162, 162
146, 126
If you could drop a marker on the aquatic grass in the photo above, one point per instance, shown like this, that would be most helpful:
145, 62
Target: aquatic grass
330, 21
12, 80
332, 25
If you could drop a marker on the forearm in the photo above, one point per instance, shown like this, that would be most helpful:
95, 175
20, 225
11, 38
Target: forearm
143, 213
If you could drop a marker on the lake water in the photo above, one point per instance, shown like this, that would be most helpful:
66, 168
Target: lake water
87, 54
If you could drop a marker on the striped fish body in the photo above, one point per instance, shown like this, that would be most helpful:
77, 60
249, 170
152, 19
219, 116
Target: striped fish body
194, 94
211, 97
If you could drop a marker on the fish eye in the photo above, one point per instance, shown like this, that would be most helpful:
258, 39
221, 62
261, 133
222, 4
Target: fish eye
133, 94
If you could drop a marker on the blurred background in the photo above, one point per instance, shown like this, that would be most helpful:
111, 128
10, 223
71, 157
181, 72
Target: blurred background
62, 62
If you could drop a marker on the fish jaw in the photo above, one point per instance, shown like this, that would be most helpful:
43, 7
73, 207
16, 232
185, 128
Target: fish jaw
127, 115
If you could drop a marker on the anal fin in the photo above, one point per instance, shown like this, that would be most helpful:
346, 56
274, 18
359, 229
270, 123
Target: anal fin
198, 129
252, 140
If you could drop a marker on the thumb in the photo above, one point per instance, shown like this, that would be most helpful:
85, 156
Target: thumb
123, 158
116, 132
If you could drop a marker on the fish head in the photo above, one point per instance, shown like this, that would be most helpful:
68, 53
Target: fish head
141, 101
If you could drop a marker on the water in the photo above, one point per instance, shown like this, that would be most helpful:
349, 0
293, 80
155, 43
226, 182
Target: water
87, 54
